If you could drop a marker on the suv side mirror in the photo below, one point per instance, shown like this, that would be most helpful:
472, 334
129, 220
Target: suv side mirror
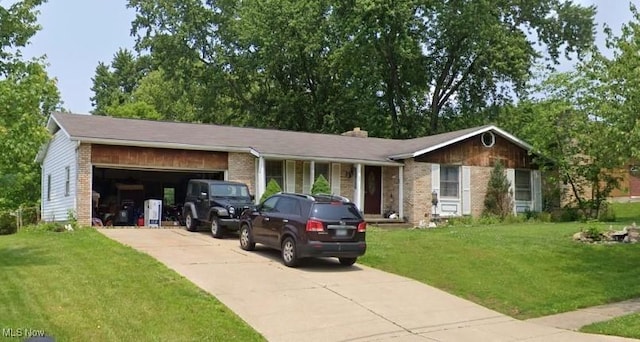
253, 197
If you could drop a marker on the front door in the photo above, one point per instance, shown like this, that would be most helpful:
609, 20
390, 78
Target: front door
372, 189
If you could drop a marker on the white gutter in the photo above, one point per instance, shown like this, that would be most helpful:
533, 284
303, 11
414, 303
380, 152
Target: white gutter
329, 159
177, 146
460, 138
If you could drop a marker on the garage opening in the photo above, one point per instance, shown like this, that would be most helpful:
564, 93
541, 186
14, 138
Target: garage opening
119, 194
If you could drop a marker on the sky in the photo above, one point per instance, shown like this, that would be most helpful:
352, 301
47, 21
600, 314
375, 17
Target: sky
77, 34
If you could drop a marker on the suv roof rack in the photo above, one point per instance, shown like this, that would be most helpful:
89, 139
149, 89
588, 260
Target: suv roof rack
334, 197
316, 197
309, 197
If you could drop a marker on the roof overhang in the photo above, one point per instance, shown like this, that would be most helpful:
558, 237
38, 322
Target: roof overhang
331, 160
501, 132
166, 145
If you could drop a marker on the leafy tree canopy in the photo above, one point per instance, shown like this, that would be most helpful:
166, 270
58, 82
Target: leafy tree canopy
27, 96
397, 69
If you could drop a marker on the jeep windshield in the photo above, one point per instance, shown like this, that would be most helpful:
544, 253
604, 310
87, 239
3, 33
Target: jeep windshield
229, 190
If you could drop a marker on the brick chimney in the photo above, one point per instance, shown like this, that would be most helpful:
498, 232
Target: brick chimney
356, 132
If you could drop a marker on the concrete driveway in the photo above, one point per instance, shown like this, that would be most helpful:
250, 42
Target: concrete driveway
322, 301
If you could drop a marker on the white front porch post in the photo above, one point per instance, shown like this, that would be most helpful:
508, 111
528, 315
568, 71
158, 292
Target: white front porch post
312, 174
261, 181
400, 192
358, 192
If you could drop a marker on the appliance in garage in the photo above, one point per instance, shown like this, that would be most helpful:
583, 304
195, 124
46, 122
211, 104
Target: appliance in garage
152, 213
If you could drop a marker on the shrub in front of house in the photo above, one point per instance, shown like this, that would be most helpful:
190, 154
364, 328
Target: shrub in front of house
272, 188
7, 223
497, 201
321, 186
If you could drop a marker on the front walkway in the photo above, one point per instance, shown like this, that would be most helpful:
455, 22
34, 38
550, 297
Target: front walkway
322, 301
575, 320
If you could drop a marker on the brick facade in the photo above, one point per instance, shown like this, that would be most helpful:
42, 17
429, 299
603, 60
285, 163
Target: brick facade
347, 184
417, 190
242, 168
83, 186
479, 181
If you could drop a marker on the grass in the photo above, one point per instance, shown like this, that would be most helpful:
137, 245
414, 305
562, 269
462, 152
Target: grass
522, 270
81, 286
626, 326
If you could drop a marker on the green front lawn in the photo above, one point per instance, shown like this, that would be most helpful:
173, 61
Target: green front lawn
627, 326
81, 286
523, 270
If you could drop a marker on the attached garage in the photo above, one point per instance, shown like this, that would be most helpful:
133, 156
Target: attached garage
123, 177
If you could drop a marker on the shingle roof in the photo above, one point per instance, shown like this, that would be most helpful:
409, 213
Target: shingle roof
266, 142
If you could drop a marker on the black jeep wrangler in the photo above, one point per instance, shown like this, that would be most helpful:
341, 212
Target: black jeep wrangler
216, 203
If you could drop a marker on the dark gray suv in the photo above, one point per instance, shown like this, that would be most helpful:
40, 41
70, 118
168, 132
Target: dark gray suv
215, 203
303, 226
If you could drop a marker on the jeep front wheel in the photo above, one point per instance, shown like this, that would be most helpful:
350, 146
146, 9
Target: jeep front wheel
216, 229
190, 222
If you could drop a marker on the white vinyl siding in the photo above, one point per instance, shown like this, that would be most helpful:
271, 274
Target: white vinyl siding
60, 155
67, 181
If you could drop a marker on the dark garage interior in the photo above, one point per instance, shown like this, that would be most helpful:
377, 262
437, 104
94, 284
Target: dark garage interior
119, 193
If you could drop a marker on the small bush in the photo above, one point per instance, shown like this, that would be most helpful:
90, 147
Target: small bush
593, 233
488, 219
272, 188
512, 219
7, 224
321, 186
607, 214
51, 227
497, 201
566, 214
543, 217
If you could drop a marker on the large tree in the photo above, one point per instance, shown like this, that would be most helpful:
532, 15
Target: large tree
114, 83
393, 67
27, 96
585, 122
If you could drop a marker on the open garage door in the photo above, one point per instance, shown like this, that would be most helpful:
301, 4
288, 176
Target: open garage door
119, 193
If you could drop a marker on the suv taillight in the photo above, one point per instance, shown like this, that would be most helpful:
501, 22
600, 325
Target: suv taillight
362, 227
314, 226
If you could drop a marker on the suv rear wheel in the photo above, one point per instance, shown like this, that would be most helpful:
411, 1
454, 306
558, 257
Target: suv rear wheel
190, 222
216, 229
246, 240
347, 261
289, 253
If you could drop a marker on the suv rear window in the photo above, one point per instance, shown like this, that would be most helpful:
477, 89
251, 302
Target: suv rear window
335, 211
